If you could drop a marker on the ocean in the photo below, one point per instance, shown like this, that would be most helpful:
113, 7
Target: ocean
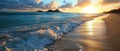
27, 31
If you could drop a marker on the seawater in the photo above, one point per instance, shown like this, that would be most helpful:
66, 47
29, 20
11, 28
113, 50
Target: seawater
33, 31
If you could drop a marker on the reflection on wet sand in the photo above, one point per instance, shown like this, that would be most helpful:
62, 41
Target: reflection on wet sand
94, 32
91, 35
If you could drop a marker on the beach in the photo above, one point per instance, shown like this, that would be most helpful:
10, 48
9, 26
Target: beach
112, 23
99, 34
59, 25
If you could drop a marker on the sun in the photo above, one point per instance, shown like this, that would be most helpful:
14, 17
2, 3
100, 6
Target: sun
90, 9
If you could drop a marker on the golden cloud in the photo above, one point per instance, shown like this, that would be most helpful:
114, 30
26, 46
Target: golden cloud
100, 5
38, 1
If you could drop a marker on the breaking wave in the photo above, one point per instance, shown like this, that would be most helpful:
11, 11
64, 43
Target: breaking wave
36, 36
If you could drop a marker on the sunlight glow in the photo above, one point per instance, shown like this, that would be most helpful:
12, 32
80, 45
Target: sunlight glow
90, 27
96, 2
90, 9
38, 1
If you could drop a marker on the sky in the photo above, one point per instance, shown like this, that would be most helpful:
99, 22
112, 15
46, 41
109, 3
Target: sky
62, 5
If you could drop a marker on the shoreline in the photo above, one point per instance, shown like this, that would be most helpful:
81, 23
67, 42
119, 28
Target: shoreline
81, 45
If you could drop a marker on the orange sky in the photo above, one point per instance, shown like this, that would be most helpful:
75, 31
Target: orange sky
100, 6
74, 6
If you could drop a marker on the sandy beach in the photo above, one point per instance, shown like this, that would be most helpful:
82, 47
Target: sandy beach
95, 35
113, 31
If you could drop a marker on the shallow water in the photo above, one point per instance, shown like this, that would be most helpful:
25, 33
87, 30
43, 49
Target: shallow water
29, 32
33, 31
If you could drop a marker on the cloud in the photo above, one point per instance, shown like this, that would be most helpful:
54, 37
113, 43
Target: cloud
12, 4
67, 5
74, 9
106, 2
101, 5
23, 4
107, 5
53, 5
38, 1
83, 3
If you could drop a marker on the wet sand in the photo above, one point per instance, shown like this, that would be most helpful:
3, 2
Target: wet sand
99, 34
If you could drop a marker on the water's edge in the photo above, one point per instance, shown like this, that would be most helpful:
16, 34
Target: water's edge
31, 35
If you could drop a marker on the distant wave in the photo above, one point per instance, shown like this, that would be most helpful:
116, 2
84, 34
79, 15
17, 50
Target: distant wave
37, 36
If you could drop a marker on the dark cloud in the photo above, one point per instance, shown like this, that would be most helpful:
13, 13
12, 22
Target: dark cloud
30, 4
23, 4
42, 5
13, 4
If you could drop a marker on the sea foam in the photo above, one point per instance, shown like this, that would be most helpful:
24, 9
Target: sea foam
37, 36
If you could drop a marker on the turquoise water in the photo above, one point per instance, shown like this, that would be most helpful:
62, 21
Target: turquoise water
18, 19
35, 30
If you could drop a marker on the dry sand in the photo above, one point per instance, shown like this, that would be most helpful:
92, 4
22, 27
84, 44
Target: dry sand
75, 41
113, 31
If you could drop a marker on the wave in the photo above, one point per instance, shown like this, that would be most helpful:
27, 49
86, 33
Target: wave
37, 36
